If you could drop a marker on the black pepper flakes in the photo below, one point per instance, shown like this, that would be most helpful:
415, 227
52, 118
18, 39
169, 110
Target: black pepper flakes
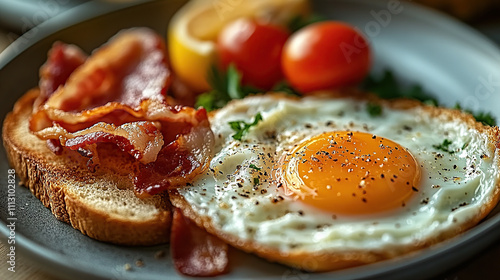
275, 200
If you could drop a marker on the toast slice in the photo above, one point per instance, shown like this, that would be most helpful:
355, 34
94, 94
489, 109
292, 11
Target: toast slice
100, 204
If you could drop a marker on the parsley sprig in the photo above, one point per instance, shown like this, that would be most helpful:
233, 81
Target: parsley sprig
374, 109
226, 86
445, 146
483, 117
387, 87
241, 127
256, 181
253, 166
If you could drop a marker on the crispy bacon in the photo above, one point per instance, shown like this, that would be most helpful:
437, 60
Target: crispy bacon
55, 146
143, 140
194, 251
118, 96
62, 60
129, 69
181, 160
122, 74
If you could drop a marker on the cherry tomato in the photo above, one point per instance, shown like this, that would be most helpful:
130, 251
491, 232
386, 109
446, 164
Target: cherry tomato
326, 55
255, 49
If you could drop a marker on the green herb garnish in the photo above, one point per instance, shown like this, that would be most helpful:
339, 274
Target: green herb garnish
418, 93
241, 127
225, 87
253, 166
374, 109
218, 96
387, 87
211, 100
256, 181
483, 117
283, 86
300, 21
445, 146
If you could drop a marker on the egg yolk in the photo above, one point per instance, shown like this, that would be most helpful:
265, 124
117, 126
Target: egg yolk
351, 173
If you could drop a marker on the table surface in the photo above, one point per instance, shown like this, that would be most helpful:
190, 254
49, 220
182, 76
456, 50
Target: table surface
483, 266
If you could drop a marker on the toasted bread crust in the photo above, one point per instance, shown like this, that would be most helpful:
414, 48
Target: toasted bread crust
85, 200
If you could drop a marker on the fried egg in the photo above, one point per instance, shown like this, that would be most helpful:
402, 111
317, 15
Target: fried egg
322, 184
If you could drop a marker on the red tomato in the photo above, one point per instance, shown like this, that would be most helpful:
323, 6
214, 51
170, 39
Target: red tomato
326, 55
255, 49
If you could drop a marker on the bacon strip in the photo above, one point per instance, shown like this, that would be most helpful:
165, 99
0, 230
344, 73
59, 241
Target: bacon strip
129, 69
194, 251
143, 140
180, 161
120, 75
62, 60
118, 96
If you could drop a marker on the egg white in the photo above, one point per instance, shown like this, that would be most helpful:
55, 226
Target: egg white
456, 188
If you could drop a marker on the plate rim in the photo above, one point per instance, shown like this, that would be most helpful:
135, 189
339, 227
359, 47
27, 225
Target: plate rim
66, 19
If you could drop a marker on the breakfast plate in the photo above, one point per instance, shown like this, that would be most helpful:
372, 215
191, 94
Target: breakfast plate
420, 46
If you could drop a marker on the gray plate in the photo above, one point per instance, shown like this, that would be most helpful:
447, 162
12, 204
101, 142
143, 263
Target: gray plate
446, 57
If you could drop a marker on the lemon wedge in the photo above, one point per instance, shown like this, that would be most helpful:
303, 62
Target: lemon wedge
193, 31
